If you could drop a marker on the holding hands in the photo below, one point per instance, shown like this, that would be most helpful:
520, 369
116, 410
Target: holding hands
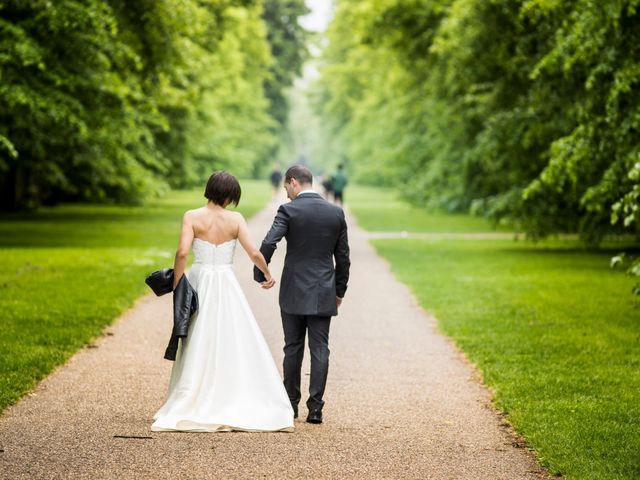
268, 283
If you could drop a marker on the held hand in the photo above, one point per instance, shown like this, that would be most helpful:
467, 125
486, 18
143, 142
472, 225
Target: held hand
268, 283
338, 301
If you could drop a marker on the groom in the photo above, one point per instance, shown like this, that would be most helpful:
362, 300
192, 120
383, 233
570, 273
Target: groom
312, 289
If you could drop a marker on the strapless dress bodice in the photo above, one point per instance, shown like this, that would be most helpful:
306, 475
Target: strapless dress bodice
207, 253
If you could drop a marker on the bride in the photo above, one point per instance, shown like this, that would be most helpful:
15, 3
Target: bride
224, 377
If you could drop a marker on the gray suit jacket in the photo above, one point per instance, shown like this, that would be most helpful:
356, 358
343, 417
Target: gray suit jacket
316, 234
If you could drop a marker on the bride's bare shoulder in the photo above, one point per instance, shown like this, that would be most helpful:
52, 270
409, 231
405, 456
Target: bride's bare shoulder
193, 217
237, 217
196, 212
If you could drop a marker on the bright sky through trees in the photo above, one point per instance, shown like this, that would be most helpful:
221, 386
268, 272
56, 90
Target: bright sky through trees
320, 16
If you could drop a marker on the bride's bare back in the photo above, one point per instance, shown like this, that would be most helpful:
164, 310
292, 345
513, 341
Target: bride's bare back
214, 224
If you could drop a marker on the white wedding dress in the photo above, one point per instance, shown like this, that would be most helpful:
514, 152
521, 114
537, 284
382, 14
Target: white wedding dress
224, 377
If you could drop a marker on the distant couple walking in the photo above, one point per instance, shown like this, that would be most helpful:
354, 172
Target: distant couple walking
224, 377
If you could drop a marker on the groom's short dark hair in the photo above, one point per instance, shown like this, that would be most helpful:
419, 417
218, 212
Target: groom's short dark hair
223, 186
301, 173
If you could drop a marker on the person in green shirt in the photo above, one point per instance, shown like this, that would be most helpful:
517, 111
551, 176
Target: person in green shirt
339, 180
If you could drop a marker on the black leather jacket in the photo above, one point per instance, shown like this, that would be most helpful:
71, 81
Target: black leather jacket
185, 304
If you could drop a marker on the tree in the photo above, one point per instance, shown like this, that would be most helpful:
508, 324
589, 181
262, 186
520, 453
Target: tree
525, 111
287, 40
288, 44
71, 113
107, 100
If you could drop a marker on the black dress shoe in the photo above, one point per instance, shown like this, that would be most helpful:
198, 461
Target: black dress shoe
315, 416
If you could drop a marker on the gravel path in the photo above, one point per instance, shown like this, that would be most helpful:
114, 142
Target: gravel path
401, 401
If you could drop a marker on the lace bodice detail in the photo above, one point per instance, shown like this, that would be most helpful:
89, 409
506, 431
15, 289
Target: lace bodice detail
208, 253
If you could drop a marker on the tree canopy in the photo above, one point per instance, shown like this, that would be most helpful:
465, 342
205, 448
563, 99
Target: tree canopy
107, 100
526, 111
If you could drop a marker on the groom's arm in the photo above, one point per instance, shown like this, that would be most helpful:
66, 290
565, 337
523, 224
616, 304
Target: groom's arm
269, 244
341, 255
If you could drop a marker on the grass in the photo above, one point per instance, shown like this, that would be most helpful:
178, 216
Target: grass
554, 331
381, 210
70, 270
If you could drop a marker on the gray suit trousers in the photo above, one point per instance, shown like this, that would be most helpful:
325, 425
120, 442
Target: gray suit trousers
295, 328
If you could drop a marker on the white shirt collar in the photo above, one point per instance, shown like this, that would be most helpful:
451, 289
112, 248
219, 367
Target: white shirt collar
307, 191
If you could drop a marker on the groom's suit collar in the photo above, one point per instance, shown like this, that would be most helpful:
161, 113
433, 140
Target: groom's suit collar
307, 192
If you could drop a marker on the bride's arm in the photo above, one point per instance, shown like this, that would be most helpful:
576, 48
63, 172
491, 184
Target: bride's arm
184, 246
254, 254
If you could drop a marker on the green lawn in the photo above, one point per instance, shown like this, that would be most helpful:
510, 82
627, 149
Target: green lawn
381, 210
555, 332
71, 270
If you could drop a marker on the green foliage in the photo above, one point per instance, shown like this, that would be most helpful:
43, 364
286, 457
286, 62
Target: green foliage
527, 111
108, 100
287, 40
235, 130
66, 94
71, 270
632, 266
383, 210
288, 48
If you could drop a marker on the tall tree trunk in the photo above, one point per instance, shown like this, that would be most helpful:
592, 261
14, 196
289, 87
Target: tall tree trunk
13, 195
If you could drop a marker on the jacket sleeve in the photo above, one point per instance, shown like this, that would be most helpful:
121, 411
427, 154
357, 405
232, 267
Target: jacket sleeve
183, 297
341, 255
278, 230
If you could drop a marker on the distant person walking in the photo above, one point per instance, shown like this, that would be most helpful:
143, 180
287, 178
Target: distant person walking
327, 187
276, 178
339, 181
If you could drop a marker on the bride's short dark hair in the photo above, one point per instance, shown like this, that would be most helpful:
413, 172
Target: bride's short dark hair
223, 186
